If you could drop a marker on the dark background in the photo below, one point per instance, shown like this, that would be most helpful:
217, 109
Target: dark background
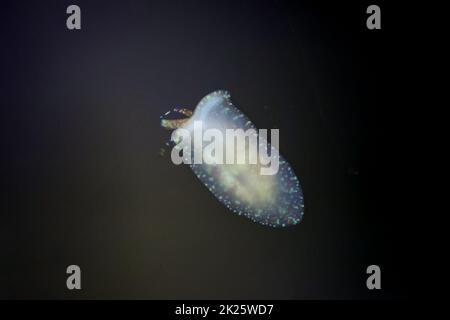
83, 181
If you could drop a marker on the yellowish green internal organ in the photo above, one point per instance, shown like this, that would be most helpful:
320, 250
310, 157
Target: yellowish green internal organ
245, 184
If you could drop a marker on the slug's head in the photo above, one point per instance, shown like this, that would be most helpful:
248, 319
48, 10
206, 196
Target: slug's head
172, 124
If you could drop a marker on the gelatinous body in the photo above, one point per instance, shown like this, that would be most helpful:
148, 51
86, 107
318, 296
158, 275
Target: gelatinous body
273, 200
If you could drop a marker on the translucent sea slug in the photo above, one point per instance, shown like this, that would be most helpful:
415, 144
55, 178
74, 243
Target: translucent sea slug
274, 200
